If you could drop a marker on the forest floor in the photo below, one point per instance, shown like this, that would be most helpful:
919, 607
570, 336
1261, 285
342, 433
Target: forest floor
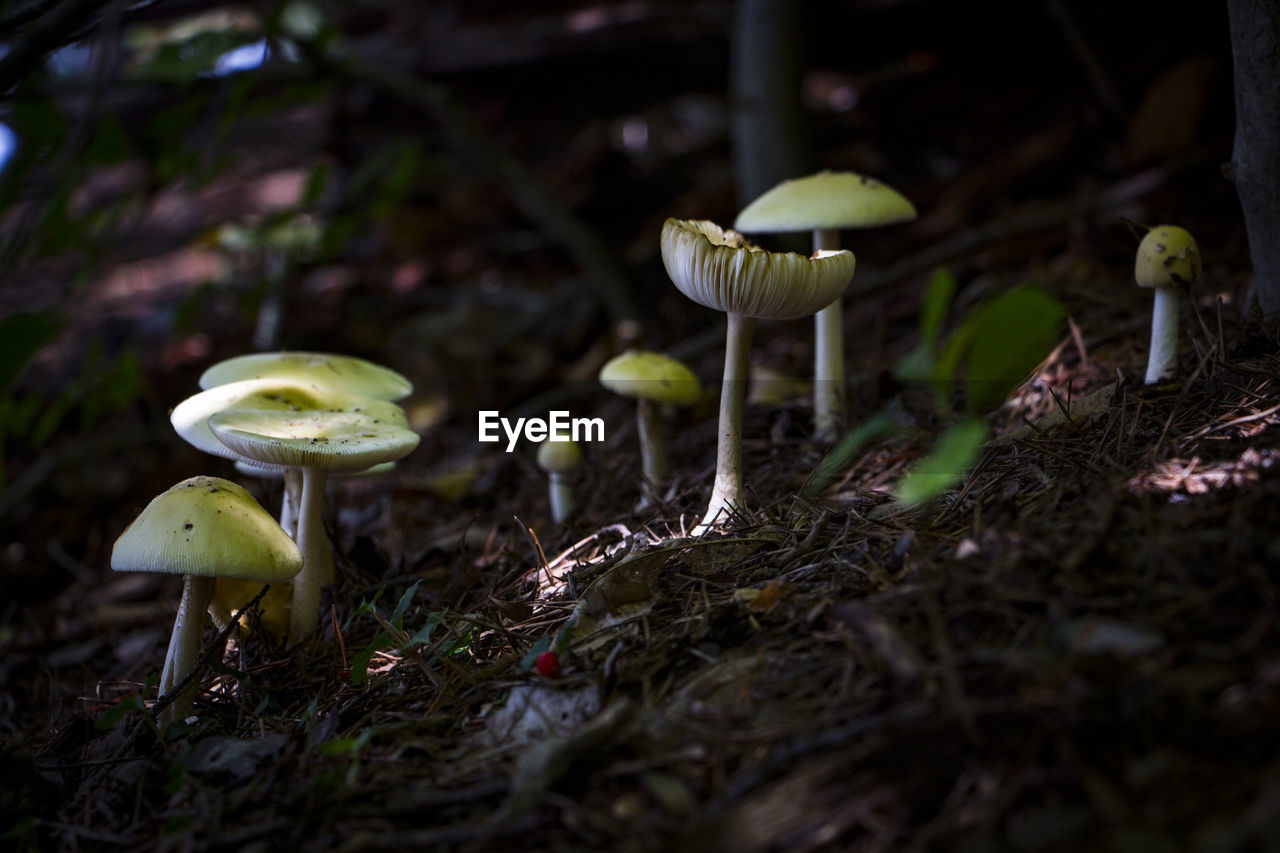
1075, 648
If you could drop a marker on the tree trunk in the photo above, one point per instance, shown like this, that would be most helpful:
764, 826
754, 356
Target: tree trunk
766, 65
1255, 159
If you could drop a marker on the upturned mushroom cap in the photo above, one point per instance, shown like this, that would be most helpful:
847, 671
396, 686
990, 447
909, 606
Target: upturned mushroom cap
190, 417
208, 527
651, 376
722, 270
559, 457
333, 440
1167, 257
827, 200
344, 373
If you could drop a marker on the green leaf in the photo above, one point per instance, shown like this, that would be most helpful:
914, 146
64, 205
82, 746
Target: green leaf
402, 606
937, 299
839, 456
116, 712
360, 660
424, 633
19, 829
1012, 335
950, 459
21, 337
531, 656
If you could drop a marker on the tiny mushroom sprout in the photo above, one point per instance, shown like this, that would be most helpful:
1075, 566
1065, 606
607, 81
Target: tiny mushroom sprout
1168, 260
824, 203
652, 379
318, 442
723, 271
558, 458
203, 528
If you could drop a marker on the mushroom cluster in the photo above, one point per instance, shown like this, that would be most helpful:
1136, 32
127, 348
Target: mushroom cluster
308, 416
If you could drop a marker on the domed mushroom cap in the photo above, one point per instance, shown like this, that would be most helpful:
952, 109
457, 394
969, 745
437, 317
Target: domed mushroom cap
722, 270
825, 200
1167, 256
559, 457
651, 376
210, 527
343, 373
334, 440
190, 417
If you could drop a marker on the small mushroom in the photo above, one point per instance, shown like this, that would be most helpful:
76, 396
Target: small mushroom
1168, 261
318, 442
559, 458
824, 203
203, 528
652, 379
722, 270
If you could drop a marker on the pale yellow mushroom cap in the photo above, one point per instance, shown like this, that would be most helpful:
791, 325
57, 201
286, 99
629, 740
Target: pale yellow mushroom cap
1167, 256
210, 527
653, 376
333, 440
190, 418
559, 457
343, 373
827, 200
722, 270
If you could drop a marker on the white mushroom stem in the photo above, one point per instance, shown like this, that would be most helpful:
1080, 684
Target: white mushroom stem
1162, 362
727, 495
653, 452
290, 501
317, 556
185, 645
828, 356
561, 496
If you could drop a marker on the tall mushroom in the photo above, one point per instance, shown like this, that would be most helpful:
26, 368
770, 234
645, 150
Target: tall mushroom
1168, 260
825, 203
318, 442
723, 271
651, 379
203, 528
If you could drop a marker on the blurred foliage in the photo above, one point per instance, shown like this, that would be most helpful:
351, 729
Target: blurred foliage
991, 352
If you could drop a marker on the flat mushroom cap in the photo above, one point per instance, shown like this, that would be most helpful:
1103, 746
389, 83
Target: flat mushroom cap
1167, 256
722, 270
333, 440
827, 200
190, 417
559, 457
343, 373
651, 376
210, 527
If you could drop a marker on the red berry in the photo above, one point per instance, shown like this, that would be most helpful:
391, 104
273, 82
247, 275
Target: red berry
548, 664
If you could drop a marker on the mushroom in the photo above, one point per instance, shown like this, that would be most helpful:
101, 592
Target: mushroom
559, 457
824, 203
318, 442
722, 270
1168, 260
651, 378
190, 419
327, 370
202, 528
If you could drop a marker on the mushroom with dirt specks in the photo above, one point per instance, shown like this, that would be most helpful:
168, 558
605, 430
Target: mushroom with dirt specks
203, 528
1168, 260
